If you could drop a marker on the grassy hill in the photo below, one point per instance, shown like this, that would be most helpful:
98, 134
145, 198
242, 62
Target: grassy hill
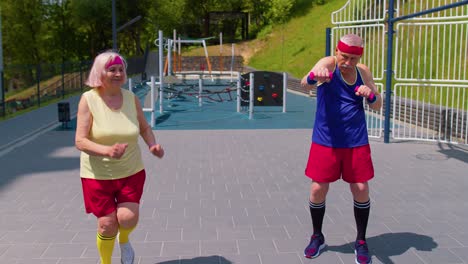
293, 47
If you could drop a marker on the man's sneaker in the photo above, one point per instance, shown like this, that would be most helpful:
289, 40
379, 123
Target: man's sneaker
317, 244
126, 253
362, 252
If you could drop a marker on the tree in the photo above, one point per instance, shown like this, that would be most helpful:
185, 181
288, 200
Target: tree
92, 19
23, 34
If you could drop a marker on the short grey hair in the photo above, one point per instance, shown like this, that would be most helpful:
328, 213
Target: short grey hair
352, 40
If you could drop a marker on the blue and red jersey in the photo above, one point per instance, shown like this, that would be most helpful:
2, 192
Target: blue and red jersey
340, 120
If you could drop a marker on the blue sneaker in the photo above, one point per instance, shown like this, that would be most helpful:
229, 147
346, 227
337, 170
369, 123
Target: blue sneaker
362, 252
317, 244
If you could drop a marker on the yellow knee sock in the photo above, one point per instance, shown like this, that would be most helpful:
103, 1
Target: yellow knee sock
124, 233
105, 246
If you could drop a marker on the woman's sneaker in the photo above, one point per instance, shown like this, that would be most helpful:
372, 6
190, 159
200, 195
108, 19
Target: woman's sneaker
127, 255
362, 252
317, 244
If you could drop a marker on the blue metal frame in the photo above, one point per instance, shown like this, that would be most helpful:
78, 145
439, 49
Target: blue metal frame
328, 42
388, 84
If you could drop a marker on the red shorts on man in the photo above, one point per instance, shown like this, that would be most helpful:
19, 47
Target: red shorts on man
327, 164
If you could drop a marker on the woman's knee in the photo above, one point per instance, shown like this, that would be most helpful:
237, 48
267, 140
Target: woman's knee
108, 225
128, 214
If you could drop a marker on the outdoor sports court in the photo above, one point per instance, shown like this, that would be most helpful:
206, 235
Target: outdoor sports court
225, 194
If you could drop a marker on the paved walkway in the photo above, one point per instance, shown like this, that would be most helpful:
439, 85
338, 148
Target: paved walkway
232, 196
24, 128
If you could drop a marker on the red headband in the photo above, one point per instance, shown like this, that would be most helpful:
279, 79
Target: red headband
116, 60
343, 47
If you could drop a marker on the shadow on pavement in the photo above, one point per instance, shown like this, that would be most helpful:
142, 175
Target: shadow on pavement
454, 151
199, 260
384, 246
54, 151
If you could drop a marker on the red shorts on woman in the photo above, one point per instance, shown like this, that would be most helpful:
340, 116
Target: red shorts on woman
327, 164
101, 197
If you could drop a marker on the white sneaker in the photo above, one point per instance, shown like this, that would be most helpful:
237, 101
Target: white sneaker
127, 254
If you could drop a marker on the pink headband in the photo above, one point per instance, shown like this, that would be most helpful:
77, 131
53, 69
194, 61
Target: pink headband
343, 47
115, 61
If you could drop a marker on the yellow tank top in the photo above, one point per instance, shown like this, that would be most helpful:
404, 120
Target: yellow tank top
110, 127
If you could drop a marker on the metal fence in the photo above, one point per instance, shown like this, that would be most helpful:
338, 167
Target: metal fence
29, 86
32, 86
429, 64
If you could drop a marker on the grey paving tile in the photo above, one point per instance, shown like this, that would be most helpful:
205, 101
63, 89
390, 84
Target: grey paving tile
65, 250
195, 234
285, 245
230, 212
37, 261
283, 220
181, 248
219, 247
249, 221
244, 258
291, 258
3, 248
275, 232
176, 221
461, 253
199, 212
17, 251
217, 221
438, 255
164, 235
239, 233
159, 260
148, 249
255, 246
262, 210
78, 261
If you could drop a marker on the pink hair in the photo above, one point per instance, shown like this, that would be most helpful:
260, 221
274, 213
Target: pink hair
99, 68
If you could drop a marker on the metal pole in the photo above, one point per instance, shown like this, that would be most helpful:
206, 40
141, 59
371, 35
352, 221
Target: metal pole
2, 91
285, 90
328, 42
251, 95
238, 93
200, 89
232, 59
114, 27
169, 57
161, 71
388, 83
428, 11
153, 120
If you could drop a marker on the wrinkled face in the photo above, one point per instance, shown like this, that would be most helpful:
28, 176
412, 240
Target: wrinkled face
346, 61
114, 76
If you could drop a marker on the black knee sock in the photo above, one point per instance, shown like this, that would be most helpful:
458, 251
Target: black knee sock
361, 214
317, 212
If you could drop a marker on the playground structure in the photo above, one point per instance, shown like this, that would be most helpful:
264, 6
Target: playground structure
173, 60
261, 88
264, 89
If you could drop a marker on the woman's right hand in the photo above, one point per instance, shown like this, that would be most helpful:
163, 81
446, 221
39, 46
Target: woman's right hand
117, 150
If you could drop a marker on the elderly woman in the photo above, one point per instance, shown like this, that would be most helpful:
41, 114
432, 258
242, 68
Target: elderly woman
109, 121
